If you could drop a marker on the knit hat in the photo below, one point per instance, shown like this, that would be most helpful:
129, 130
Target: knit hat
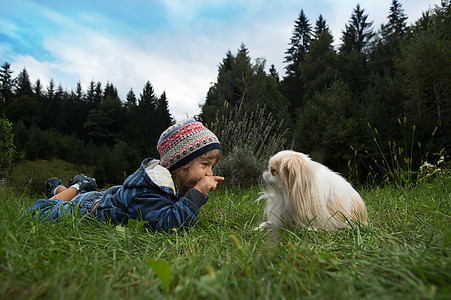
183, 142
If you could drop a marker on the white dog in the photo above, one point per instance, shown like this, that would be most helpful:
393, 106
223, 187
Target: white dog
303, 192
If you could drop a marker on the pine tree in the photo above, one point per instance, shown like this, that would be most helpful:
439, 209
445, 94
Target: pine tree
51, 90
397, 19
232, 86
273, 73
131, 98
292, 85
110, 91
242, 86
23, 84
60, 94
6, 82
320, 27
358, 32
148, 98
105, 124
94, 95
144, 128
90, 96
38, 90
23, 106
353, 54
299, 44
79, 94
43, 116
164, 118
386, 43
320, 66
98, 95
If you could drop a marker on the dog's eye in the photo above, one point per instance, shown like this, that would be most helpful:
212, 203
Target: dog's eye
273, 171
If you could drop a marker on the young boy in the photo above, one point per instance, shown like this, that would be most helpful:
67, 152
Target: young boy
167, 193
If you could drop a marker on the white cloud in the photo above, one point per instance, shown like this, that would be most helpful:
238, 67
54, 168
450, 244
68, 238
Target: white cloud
117, 60
182, 62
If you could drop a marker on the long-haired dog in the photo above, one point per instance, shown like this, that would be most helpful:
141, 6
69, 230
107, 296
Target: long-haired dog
303, 192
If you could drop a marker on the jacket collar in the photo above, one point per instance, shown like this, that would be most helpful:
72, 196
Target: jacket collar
159, 175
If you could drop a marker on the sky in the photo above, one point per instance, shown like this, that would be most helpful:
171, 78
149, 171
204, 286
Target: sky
176, 45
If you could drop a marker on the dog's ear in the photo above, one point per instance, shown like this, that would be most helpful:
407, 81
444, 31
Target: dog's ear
295, 176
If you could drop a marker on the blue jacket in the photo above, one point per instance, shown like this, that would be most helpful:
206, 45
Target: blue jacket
150, 195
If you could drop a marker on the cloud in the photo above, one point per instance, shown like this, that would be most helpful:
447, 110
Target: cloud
82, 49
184, 74
175, 45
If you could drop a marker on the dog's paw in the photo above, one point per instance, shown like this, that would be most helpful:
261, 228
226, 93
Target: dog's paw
263, 226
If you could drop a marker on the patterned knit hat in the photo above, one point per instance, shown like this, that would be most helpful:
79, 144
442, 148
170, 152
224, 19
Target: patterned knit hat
183, 142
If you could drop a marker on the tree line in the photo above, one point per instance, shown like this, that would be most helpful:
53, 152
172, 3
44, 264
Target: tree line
380, 92
390, 84
92, 128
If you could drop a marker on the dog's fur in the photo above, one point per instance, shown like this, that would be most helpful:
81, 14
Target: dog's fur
303, 192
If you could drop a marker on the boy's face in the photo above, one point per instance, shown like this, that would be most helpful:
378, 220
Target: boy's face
199, 168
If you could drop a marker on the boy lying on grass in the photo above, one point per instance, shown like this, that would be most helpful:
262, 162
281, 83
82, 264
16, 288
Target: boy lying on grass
167, 193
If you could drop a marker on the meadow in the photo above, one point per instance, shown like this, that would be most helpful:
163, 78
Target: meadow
403, 253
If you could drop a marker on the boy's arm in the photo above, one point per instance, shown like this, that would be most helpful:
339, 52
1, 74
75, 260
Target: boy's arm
164, 214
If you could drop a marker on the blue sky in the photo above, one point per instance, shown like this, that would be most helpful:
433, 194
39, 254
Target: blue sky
177, 45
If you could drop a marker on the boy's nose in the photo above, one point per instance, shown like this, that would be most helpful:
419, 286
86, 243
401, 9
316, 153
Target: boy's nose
209, 172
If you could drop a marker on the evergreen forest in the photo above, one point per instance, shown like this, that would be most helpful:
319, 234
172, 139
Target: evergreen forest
370, 95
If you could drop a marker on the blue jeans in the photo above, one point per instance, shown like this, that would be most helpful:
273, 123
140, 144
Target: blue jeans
54, 209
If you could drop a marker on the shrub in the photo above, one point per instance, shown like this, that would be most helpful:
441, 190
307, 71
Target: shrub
240, 167
248, 139
74, 150
7, 148
40, 145
20, 134
257, 130
113, 166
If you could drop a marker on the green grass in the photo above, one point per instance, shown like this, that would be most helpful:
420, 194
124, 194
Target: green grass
404, 253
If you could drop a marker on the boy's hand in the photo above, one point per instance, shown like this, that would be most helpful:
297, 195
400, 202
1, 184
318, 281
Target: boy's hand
208, 183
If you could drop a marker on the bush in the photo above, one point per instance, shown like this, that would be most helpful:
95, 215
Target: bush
248, 140
7, 148
40, 145
20, 135
113, 166
256, 130
240, 167
74, 150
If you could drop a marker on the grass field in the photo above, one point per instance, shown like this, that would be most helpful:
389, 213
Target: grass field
404, 253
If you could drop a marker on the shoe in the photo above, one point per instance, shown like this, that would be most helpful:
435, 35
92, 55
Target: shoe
87, 184
51, 185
